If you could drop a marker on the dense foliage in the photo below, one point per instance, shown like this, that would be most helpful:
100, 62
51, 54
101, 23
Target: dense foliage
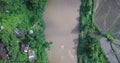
24, 15
89, 49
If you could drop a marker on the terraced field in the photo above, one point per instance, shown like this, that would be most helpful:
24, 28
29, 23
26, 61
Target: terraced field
106, 13
107, 18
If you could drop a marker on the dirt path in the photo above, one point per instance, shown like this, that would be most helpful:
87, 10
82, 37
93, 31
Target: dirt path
62, 29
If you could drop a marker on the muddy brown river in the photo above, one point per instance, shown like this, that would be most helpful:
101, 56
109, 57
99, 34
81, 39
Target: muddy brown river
62, 29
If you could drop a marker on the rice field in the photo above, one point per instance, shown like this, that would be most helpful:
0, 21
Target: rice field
106, 14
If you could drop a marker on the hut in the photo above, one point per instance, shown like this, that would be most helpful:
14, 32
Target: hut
24, 47
29, 51
31, 55
3, 51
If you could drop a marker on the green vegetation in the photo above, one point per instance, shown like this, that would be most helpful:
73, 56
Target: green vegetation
24, 15
89, 49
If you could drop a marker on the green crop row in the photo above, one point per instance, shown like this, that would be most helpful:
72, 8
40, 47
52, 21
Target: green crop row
24, 15
89, 49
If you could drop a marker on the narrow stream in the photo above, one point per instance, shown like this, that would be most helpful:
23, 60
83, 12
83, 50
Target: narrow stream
61, 19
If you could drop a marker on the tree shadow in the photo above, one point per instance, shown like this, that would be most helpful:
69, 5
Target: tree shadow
75, 45
76, 31
77, 27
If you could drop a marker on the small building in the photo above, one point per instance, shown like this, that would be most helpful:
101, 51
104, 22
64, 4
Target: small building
1, 27
3, 51
29, 51
31, 55
30, 32
24, 47
18, 33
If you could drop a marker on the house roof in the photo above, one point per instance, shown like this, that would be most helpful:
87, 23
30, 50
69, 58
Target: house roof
24, 47
18, 33
2, 44
31, 55
3, 51
3, 54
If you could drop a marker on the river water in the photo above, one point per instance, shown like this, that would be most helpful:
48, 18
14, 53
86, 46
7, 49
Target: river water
61, 19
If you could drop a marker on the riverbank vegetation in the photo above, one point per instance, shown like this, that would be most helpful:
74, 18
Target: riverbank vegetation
23, 15
89, 49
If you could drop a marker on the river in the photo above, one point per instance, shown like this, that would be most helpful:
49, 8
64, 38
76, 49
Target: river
61, 19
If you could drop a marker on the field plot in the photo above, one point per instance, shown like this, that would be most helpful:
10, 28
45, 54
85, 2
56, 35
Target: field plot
106, 14
107, 17
116, 29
